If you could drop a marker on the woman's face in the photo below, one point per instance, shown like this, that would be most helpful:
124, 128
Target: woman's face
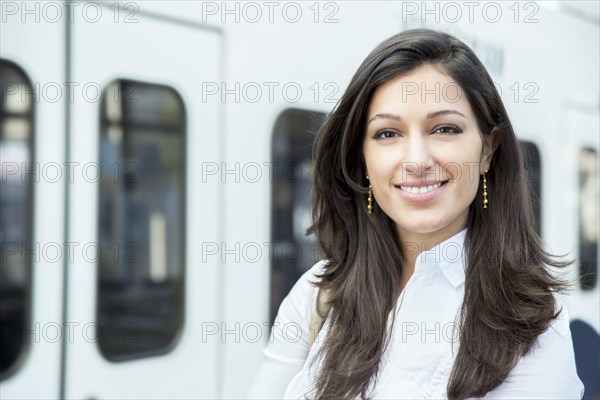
424, 152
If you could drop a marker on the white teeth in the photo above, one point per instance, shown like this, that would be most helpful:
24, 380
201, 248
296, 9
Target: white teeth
420, 190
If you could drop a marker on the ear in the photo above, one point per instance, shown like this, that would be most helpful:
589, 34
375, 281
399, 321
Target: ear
490, 144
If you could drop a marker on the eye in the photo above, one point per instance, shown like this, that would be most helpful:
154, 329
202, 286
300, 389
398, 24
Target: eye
385, 134
448, 130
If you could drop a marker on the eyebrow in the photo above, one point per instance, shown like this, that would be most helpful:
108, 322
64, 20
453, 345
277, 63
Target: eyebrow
444, 112
429, 116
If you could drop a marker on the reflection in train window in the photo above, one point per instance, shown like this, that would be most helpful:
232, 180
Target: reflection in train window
141, 219
16, 148
588, 218
291, 152
533, 173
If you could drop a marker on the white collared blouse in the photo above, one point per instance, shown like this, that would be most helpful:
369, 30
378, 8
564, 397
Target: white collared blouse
423, 346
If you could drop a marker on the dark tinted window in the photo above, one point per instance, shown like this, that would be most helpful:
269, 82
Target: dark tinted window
588, 218
16, 170
291, 196
141, 219
533, 173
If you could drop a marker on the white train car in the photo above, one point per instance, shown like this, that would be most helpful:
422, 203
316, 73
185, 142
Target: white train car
156, 177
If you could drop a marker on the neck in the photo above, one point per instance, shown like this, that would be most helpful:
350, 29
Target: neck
414, 243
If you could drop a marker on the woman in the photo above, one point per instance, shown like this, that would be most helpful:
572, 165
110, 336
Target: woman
434, 282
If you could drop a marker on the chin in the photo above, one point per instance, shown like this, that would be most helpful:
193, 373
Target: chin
422, 226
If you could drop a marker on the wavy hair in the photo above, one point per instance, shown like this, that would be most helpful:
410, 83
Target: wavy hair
508, 293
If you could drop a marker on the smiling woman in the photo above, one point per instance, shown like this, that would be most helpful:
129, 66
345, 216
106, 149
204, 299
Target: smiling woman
420, 151
434, 282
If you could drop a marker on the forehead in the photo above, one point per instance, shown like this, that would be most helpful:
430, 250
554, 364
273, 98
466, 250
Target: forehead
426, 87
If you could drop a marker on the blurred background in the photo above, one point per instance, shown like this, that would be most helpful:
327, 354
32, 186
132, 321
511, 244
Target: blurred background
155, 174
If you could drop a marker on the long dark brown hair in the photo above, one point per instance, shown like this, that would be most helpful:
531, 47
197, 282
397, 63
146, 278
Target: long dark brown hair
508, 298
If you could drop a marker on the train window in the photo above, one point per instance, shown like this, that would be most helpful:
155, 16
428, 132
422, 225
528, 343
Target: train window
291, 152
533, 173
16, 153
141, 220
588, 218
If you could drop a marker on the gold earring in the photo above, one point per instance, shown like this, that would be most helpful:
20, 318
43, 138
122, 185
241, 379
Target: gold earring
370, 199
485, 199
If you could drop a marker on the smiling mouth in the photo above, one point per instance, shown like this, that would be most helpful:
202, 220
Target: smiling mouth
421, 189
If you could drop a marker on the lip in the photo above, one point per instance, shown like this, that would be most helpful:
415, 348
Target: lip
424, 197
419, 183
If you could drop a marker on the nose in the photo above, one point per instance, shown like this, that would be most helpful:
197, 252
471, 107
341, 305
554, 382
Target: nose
417, 159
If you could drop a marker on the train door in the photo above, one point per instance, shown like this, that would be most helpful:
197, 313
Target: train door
32, 156
138, 294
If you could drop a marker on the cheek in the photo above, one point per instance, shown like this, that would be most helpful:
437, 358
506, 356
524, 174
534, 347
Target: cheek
463, 157
378, 164
469, 187
461, 166
377, 178
467, 181
380, 171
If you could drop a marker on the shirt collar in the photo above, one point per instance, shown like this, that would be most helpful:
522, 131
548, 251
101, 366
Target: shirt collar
448, 256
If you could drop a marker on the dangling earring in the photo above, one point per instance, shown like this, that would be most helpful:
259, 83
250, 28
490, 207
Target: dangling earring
370, 199
485, 199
